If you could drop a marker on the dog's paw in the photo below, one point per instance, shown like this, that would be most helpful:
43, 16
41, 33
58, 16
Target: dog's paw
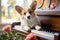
37, 27
26, 28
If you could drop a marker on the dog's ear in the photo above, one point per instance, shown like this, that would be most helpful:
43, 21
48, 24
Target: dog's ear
18, 9
33, 5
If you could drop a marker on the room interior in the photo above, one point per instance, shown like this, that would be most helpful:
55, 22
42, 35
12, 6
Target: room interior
49, 18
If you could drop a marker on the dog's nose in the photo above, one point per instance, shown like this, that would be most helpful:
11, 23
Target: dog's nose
28, 17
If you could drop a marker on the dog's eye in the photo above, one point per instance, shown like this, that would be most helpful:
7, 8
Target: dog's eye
24, 13
30, 12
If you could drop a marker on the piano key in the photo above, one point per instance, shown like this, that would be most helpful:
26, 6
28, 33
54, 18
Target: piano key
44, 34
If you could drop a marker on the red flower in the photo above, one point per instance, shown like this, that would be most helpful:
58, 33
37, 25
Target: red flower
6, 28
52, 5
31, 36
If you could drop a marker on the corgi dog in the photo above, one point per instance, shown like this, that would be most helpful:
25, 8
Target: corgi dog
28, 17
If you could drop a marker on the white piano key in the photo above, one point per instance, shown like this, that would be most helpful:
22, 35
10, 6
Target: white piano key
56, 34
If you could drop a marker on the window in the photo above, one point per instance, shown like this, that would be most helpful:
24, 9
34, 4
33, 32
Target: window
8, 12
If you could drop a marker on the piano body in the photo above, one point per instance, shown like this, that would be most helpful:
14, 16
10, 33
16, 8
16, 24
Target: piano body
50, 27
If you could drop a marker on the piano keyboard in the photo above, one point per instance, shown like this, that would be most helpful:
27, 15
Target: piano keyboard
43, 34
19, 28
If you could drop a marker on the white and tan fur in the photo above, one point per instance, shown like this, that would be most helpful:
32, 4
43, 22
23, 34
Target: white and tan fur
28, 18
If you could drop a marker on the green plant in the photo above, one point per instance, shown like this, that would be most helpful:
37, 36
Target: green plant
12, 35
